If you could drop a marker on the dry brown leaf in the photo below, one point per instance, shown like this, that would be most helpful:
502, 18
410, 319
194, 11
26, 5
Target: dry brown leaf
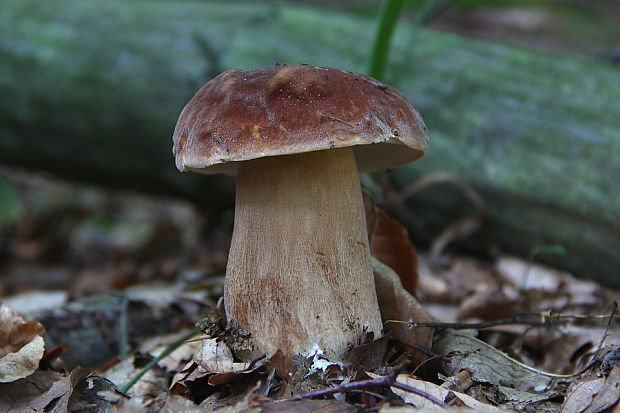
257, 405
489, 302
441, 393
283, 367
304, 406
466, 277
432, 288
609, 394
397, 304
21, 345
489, 365
15, 366
525, 275
216, 363
368, 356
15, 332
60, 392
569, 349
390, 244
182, 379
16, 396
581, 393
594, 395
168, 403
216, 357
95, 394
411, 409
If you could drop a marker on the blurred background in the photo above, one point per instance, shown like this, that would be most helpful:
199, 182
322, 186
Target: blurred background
520, 99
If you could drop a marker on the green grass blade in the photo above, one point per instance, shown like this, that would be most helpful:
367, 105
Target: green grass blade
383, 39
191, 333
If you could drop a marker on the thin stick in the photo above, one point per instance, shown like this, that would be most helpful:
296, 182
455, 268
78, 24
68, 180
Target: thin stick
384, 381
464, 326
173, 346
541, 320
614, 308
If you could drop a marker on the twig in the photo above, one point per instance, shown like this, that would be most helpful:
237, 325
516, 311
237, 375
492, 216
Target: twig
173, 346
534, 252
461, 228
384, 381
464, 326
444, 357
531, 319
614, 308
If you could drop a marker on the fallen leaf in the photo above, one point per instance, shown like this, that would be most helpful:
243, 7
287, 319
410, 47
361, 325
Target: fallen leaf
33, 303
467, 277
17, 395
581, 393
183, 379
441, 393
60, 392
215, 363
95, 394
367, 356
489, 302
432, 288
304, 406
21, 345
489, 365
15, 366
411, 409
216, 357
256, 405
283, 368
525, 275
15, 332
169, 403
570, 349
609, 394
396, 304
390, 244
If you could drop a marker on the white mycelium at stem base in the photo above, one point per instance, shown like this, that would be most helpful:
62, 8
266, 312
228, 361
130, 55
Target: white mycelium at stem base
298, 273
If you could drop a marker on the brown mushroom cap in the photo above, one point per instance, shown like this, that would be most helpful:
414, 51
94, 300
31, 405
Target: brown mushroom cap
247, 114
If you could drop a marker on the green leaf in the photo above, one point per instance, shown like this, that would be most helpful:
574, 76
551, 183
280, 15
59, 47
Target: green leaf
383, 39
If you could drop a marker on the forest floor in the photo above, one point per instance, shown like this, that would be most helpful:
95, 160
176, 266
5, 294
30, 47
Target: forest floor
108, 280
96, 284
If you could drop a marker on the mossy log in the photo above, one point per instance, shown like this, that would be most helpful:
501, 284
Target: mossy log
91, 91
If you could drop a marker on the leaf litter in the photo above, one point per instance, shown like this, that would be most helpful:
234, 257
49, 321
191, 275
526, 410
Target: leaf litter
554, 347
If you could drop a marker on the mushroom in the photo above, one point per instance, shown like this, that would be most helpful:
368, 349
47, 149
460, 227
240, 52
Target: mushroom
299, 277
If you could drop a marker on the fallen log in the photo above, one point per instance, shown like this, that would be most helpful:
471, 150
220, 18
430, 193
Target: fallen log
91, 92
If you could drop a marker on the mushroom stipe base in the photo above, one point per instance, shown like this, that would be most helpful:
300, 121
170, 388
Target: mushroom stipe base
299, 276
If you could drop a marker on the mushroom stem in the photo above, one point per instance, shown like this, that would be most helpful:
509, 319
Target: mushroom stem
299, 276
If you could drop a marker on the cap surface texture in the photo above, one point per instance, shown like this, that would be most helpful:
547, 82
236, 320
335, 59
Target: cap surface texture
247, 114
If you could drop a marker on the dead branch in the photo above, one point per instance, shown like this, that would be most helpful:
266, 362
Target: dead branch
384, 381
541, 319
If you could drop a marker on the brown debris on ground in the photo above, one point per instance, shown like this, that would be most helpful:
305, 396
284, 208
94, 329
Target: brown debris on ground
113, 280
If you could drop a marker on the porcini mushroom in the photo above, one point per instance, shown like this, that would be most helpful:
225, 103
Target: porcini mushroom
299, 276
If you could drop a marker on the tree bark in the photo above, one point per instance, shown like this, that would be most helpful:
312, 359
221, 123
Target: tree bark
91, 91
